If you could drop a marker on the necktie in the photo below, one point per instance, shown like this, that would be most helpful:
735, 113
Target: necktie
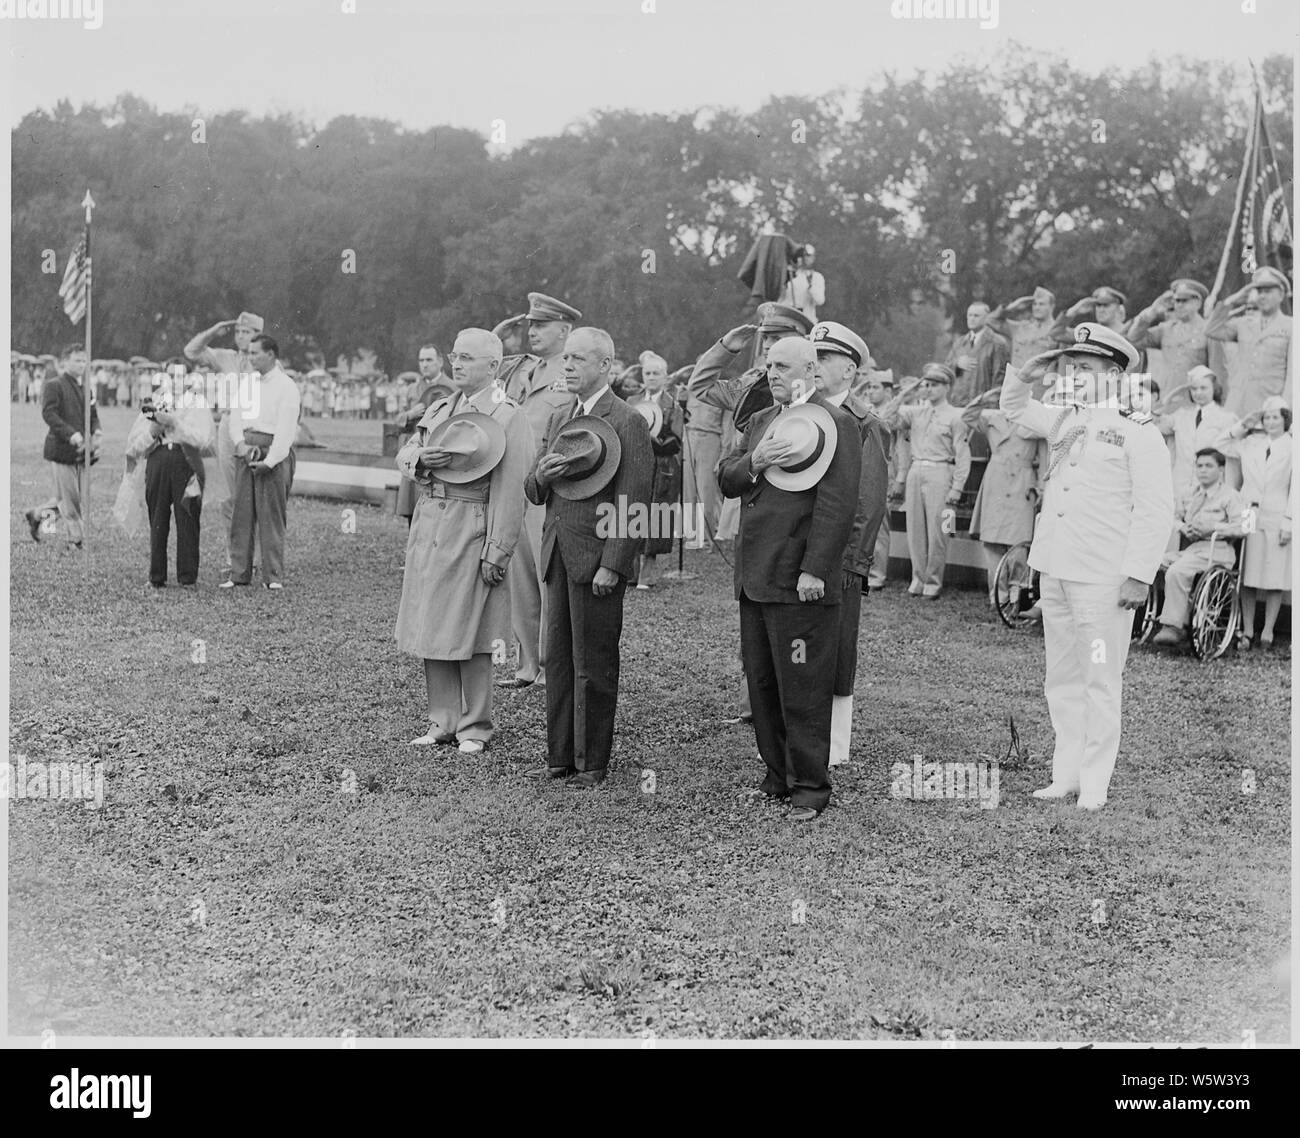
1268, 452
1198, 416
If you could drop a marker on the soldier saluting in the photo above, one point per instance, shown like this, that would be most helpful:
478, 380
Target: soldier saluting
1107, 513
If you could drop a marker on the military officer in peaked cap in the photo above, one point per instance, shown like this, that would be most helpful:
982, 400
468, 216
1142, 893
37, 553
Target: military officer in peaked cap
536, 382
1174, 324
1107, 513
748, 392
840, 352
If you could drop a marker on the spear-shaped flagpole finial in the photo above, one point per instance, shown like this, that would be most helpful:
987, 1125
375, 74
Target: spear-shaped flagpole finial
89, 203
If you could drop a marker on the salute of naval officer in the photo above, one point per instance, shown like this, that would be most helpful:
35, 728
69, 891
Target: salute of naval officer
1107, 513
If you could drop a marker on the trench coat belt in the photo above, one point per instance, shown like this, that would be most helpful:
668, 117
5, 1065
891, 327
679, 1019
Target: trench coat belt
935, 461
440, 489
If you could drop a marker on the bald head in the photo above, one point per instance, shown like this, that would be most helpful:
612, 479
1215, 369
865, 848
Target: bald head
791, 365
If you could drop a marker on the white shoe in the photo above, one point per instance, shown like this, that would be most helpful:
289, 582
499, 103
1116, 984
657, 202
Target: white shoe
227, 584
430, 739
472, 746
274, 585
1053, 791
1090, 804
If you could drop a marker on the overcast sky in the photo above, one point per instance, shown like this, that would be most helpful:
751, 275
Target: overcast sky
541, 64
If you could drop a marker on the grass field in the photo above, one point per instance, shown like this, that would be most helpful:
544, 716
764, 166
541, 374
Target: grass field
272, 859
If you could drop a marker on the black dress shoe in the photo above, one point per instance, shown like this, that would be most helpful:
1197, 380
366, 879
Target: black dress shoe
586, 780
765, 791
547, 772
34, 519
514, 683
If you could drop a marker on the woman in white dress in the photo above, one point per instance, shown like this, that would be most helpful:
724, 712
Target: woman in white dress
1193, 426
1266, 488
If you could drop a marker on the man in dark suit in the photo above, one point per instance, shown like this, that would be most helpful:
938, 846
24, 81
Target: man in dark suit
979, 357
788, 573
587, 555
64, 410
840, 352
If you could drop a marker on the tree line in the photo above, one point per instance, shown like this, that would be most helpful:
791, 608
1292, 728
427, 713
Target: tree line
921, 193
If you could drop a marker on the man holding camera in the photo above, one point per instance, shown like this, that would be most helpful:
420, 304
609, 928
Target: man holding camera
64, 410
174, 429
262, 437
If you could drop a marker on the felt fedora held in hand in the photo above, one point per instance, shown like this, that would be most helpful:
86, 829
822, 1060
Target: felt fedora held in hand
812, 435
475, 441
652, 413
593, 449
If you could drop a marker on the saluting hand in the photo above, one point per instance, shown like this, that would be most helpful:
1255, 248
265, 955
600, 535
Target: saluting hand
738, 337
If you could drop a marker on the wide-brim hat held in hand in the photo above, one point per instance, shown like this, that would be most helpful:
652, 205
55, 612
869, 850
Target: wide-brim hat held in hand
811, 432
652, 413
475, 441
594, 451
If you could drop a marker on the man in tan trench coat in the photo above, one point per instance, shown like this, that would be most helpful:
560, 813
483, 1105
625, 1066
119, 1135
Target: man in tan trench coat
468, 456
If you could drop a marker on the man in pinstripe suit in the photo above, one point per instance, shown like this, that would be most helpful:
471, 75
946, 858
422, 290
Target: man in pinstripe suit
595, 463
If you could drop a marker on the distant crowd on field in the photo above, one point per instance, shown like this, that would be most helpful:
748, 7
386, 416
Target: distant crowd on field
324, 392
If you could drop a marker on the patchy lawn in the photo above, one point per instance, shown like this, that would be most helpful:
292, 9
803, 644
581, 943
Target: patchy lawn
272, 859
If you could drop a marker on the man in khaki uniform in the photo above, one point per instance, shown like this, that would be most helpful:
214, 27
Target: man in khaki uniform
536, 382
940, 465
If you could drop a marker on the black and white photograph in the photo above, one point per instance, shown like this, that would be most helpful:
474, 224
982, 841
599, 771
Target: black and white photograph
648, 524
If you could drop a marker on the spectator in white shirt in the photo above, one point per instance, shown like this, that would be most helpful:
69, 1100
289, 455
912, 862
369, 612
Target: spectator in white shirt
263, 433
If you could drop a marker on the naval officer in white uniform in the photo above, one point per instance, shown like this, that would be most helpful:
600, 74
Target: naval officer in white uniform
1107, 513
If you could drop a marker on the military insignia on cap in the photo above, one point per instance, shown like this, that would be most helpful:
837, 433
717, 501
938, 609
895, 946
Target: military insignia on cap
1082, 334
820, 332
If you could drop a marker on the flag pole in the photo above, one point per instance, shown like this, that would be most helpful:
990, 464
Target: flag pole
86, 392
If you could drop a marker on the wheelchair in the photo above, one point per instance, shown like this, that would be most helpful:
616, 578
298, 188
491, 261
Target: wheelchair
1213, 606
1015, 588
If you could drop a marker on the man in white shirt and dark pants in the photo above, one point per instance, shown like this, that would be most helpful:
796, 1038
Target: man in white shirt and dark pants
262, 427
1105, 522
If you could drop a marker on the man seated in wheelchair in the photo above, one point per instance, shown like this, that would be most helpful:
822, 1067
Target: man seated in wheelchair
1213, 510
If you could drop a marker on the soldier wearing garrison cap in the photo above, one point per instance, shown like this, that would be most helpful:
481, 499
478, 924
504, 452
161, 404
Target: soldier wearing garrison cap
840, 352
536, 382
1174, 324
1027, 322
1107, 512
1262, 367
227, 362
936, 475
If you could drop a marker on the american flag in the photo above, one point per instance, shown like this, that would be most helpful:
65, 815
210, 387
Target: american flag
76, 283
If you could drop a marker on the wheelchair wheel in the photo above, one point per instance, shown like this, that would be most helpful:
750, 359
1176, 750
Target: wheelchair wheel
1015, 587
1216, 613
1146, 621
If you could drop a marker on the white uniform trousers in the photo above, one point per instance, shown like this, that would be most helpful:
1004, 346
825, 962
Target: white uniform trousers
1086, 636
